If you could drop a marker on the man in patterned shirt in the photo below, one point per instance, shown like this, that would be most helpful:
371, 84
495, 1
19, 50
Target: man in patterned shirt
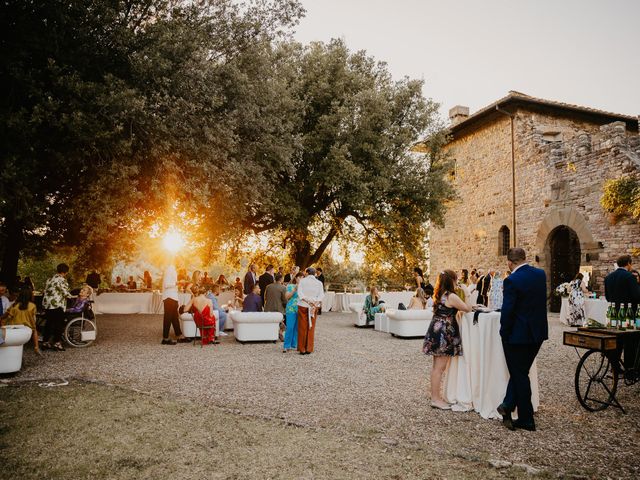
54, 301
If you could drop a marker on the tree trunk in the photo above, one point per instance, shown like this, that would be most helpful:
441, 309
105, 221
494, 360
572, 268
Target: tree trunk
302, 255
14, 241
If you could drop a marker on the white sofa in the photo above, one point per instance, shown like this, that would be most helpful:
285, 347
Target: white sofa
256, 326
357, 308
15, 336
409, 323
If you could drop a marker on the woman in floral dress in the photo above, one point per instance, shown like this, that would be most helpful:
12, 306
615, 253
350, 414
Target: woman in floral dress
577, 290
443, 335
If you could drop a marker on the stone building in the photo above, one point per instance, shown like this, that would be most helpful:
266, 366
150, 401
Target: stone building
530, 172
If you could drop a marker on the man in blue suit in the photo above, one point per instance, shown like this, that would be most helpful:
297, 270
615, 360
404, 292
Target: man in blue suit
523, 328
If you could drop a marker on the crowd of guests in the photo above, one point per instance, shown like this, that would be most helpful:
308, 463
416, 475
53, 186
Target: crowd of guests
17, 307
296, 295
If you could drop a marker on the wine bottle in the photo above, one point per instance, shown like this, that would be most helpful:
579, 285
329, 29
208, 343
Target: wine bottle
622, 316
630, 318
637, 325
613, 317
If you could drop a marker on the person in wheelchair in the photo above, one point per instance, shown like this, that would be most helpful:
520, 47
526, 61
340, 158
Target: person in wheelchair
82, 303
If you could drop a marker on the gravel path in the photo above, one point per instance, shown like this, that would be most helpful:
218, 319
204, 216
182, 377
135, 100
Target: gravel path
360, 383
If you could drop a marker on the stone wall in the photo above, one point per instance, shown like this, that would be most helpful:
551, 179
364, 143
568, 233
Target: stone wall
561, 166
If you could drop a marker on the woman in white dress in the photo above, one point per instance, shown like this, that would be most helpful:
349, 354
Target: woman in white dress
495, 292
577, 290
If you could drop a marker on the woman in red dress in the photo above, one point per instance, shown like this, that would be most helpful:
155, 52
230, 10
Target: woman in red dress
202, 309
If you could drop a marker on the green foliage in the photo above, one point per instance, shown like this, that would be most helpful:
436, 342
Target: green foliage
621, 197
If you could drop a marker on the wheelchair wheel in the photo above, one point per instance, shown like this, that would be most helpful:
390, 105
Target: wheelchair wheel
80, 332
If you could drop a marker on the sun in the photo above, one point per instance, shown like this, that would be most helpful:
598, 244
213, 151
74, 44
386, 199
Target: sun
173, 241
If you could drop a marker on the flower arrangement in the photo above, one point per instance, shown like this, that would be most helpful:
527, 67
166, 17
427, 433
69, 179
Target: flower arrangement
563, 289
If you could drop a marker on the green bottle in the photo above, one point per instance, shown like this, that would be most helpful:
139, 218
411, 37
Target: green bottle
613, 318
622, 316
637, 325
630, 318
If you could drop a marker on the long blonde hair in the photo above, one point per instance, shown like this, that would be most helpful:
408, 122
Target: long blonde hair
376, 297
422, 296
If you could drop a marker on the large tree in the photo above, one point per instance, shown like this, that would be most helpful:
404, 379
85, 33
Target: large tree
118, 111
352, 174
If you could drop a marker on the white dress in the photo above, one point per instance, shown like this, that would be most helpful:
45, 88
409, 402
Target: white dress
495, 293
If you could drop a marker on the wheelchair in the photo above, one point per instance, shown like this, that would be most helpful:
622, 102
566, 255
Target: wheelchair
80, 329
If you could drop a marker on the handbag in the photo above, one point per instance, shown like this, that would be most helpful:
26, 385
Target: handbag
401, 306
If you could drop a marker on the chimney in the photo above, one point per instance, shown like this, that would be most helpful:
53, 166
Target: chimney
458, 114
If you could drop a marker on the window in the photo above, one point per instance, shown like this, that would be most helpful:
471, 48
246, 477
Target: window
504, 239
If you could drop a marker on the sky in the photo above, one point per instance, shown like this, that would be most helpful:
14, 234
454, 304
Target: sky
471, 53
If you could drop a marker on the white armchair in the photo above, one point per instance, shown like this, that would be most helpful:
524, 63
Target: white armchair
256, 326
15, 336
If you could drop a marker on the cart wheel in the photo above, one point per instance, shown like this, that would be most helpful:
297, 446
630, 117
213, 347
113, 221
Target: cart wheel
596, 381
80, 332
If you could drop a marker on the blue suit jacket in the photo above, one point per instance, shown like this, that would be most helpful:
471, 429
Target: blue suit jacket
524, 307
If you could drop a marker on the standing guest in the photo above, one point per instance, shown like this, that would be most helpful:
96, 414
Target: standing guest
577, 314
635, 274
373, 304
238, 289
253, 301
419, 279
275, 300
170, 300
54, 301
131, 284
483, 285
148, 281
266, 279
310, 295
473, 279
464, 278
495, 295
250, 279
23, 312
289, 277
523, 328
320, 277
620, 286
93, 280
442, 339
27, 282
276, 296
291, 315
281, 271
222, 314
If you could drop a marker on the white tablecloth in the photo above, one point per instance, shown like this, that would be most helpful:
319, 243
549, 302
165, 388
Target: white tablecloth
595, 308
478, 379
133, 302
391, 299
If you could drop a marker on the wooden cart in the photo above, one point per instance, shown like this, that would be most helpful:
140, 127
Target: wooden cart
611, 354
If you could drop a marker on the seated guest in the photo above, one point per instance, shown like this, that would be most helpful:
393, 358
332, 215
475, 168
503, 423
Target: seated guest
148, 281
23, 312
222, 314
196, 282
202, 308
238, 289
82, 300
373, 304
5, 303
428, 288
118, 283
131, 284
420, 301
253, 301
222, 282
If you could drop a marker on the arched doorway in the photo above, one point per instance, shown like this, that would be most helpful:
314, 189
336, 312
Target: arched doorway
564, 256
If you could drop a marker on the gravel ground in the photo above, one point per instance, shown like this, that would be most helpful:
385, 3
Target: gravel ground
360, 384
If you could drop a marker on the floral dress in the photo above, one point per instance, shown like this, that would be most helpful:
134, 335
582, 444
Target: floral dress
495, 293
370, 308
577, 315
443, 334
